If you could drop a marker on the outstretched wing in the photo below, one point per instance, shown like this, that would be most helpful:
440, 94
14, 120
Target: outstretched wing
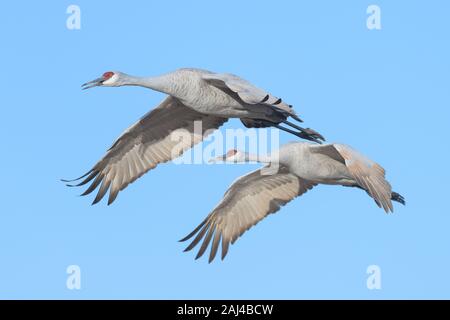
368, 174
249, 199
246, 91
161, 135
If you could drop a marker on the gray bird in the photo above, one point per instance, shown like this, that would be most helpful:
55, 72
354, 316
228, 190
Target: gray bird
289, 173
194, 95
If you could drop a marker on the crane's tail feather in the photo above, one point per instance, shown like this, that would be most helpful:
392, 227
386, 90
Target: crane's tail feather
397, 197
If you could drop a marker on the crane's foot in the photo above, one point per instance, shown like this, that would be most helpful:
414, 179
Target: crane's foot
398, 198
312, 135
305, 133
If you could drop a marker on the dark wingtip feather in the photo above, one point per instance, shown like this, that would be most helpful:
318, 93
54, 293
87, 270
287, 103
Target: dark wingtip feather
223, 255
197, 257
215, 245
206, 241
72, 180
112, 196
102, 191
225, 246
82, 183
93, 185
85, 193
197, 238
190, 235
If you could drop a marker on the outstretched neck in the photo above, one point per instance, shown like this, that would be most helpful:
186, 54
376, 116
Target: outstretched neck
258, 158
159, 83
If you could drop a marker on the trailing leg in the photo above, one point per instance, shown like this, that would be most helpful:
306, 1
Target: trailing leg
308, 132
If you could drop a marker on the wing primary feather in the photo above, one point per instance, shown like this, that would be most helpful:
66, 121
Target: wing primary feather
84, 175
149, 134
93, 185
225, 245
113, 195
102, 191
215, 244
247, 201
206, 242
114, 189
82, 183
197, 238
190, 235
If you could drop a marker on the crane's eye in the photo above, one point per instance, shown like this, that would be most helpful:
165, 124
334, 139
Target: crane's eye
108, 75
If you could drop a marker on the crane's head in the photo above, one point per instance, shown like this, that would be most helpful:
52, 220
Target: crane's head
108, 79
232, 155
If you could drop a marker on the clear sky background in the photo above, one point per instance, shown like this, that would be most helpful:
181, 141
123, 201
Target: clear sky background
385, 92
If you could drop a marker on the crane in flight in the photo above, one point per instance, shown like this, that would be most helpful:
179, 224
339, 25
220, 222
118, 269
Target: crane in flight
299, 167
193, 95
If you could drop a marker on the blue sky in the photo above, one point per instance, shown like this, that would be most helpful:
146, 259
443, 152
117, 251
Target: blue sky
385, 92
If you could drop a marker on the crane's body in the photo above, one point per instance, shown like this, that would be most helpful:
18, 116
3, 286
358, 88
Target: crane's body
314, 166
193, 95
213, 98
290, 172
188, 86
224, 95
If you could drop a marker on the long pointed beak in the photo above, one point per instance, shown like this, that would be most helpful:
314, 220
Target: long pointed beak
94, 83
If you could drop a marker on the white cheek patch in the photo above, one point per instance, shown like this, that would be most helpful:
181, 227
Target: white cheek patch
111, 80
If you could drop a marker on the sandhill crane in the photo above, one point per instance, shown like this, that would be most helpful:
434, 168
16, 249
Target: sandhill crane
194, 95
301, 166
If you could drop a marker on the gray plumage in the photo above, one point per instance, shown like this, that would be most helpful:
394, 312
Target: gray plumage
301, 166
146, 144
194, 95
